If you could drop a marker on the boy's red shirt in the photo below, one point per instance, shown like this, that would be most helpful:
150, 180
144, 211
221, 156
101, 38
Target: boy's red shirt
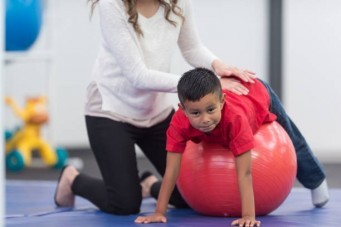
241, 118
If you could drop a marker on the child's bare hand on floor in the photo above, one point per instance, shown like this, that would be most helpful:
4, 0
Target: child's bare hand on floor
156, 217
246, 222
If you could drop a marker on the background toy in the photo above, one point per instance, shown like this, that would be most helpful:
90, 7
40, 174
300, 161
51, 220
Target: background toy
21, 142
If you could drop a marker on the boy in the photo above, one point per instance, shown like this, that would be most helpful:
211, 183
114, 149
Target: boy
208, 113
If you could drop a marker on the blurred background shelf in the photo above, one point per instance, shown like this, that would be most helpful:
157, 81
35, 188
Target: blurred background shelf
17, 56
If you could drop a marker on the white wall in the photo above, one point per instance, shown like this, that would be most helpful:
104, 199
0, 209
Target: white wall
77, 41
312, 57
234, 30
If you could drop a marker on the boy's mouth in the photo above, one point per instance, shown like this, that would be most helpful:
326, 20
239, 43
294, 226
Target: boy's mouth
207, 128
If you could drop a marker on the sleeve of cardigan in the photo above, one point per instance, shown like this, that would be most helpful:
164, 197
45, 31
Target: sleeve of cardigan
194, 52
121, 44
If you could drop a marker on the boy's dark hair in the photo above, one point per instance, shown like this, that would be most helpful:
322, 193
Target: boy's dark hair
196, 83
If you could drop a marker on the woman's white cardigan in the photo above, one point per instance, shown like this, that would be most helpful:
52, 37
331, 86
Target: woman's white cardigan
131, 72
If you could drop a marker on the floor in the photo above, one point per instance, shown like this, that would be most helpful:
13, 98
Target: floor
29, 202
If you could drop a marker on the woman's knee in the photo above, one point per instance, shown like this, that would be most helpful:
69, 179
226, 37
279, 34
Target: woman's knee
125, 206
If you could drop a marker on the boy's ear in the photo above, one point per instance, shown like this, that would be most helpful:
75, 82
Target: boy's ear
183, 109
223, 97
222, 101
181, 106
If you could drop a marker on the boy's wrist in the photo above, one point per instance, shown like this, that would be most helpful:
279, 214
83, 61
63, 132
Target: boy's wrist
160, 212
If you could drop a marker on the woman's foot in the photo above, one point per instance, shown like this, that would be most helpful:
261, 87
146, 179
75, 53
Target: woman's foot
64, 196
147, 180
320, 195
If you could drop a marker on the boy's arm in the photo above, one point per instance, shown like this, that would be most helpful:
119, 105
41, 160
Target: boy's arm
167, 186
169, 181
244, 177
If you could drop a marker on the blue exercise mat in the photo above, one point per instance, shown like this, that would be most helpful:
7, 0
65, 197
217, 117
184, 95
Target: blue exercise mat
30, 203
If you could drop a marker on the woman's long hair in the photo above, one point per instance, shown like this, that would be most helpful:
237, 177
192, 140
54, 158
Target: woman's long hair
133, 15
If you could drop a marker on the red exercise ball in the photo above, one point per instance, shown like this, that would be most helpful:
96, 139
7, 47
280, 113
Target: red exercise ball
208, 180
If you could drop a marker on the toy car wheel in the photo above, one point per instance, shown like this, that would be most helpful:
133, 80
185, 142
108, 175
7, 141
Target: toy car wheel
15, 161
8, 135
62, 156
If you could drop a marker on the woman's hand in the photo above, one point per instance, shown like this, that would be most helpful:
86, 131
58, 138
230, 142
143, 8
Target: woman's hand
246, 222
233, 85
223, 70
227, 74
156, 217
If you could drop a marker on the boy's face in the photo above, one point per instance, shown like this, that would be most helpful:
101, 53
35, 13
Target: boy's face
204, 114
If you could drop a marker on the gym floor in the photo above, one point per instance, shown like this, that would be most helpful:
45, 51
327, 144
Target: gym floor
29, 202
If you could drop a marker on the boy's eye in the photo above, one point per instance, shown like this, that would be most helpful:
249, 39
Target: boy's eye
210, 110
196, 113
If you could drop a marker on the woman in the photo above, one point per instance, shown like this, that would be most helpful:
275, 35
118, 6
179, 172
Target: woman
126, 101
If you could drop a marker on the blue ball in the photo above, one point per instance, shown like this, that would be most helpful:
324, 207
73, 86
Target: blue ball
22, 23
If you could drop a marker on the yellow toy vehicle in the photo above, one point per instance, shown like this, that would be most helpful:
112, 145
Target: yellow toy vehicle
22, 142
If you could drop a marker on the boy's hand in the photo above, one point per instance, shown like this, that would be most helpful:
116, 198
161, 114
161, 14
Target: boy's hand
156, 217
246, 222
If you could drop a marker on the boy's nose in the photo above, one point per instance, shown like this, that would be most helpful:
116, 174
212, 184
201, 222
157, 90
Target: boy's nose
205, 119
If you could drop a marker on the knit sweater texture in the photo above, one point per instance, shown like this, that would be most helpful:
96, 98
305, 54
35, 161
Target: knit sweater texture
132, 72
